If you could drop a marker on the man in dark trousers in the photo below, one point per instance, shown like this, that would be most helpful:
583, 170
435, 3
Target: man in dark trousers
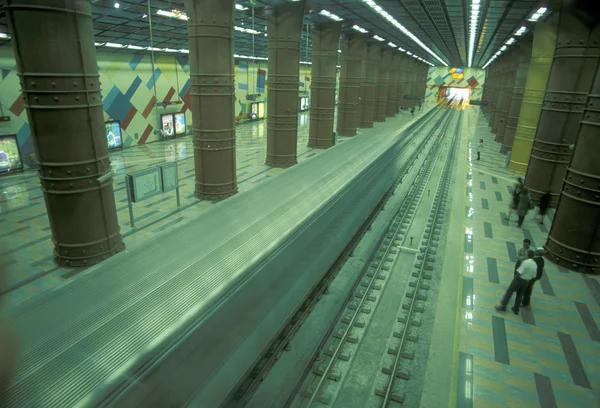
522, 253
525, 273
539, 261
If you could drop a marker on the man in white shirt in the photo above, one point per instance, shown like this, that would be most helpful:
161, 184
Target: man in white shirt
526, 271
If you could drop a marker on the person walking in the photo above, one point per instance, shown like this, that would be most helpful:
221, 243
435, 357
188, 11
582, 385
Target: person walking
543, 206
516, 191
525, 273
479, 149
539, 261
524, 206
522, 253
412, 111
420, 102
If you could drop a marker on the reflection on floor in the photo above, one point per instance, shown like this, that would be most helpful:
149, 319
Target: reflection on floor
25, 232
547, 356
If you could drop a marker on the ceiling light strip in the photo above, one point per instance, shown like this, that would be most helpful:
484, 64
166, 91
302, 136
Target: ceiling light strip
475, 10
330, 15
379, 10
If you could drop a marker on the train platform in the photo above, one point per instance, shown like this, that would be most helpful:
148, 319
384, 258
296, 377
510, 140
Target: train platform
549, 354
25, 231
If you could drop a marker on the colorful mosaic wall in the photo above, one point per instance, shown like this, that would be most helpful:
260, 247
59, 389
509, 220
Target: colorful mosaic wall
442, 76
135, 95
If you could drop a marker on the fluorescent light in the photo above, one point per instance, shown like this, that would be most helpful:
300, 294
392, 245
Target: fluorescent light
246, 30
521, 30
409, 53
98, 44
184, 51
114, 45
401, 49
3, 35
145, 16
135, 47
154, 49
173, 14
117, 5
378, 38
475, 6
510, 41
379, 10
170, 50
357, 28
330, 15
240, 7
503, 48
538, 14
306, 62
391, 44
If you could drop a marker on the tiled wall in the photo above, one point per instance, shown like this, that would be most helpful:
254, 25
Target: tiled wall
131, 92
440, 76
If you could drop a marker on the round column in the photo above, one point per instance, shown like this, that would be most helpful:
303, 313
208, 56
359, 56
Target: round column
353, 48
368, 87
383, 83
284, 22
392, 96
509, 77
56, 62
325, 39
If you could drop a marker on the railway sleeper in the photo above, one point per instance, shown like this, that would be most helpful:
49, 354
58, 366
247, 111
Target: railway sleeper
341, 355
399, 398
404, 375
320, 397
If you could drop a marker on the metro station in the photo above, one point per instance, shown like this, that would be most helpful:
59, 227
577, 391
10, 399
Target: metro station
299, 204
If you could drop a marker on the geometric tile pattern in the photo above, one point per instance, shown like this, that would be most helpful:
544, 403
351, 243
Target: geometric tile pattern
24, 228
134, 94
442, 76
548, 355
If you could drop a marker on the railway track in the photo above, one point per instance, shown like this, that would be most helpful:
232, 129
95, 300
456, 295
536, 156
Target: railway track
327, 379
241, 395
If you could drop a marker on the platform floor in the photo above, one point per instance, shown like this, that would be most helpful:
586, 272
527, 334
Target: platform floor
547, 356
25, 232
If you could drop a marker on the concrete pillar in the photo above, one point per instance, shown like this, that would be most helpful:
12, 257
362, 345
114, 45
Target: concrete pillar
392, 99
383, 83
544, 43
284, 28
571, 76
212, 94
411, 78
485, 94
368, 86
353, 48
490, 86
325, 39
402, 81
574, 239
425, 69
517, 97
507, 91
56, 61
495, 89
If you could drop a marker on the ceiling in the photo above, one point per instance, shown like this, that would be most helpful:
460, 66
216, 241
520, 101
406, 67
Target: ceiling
441, 25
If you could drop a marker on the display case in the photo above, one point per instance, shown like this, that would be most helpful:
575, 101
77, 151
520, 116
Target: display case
113, 134
167, 124
10, 155
180, 126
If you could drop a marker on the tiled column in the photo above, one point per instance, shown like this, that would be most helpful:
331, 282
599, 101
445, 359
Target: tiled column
392, 99
56, 61
542, 52
325, 39
353, 48
383, 83
284, 23
507, 91
571, 76
517, 97
213, 97
402, 81
574, 240
368, 86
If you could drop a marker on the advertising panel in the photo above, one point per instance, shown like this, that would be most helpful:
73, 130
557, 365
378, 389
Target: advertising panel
180, 127
168, 126
10, 156
113, 134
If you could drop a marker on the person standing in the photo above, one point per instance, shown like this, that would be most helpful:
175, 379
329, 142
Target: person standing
539, 261
522, 253
525, 273
479, 149
524, 206
516, 191
543, 207
412, 111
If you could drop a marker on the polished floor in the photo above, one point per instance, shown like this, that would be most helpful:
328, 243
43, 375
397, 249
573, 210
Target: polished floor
548, 355
25, 233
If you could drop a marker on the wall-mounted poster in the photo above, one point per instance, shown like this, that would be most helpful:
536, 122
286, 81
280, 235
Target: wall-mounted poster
113, 134
180, 128
168, 126
10, 156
